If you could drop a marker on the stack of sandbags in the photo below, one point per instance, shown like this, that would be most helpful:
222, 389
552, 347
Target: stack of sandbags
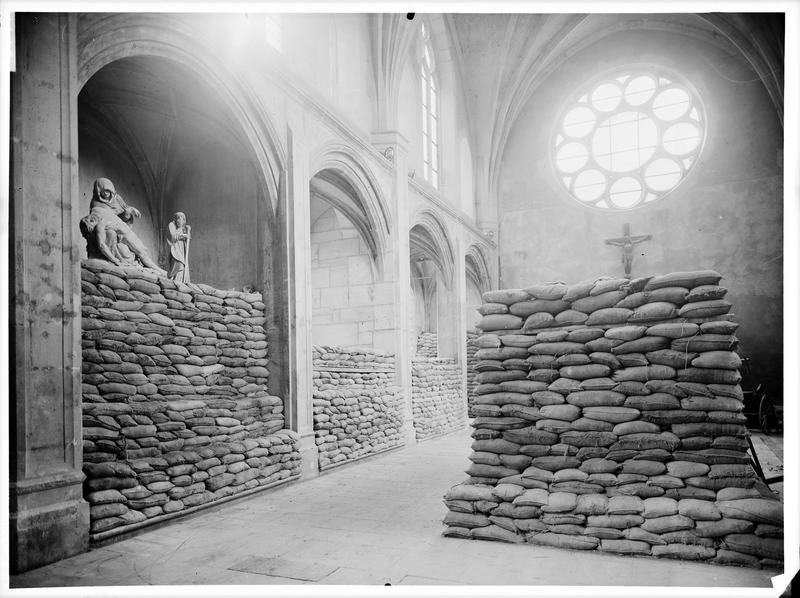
609, 417
352, 357
438, 401
357, 412
173, 375
472, 361
427, 344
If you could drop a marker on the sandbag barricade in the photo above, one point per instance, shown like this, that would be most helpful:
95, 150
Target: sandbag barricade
357, 409
176, 408
437, 394
472, 361
427, 344
608, 416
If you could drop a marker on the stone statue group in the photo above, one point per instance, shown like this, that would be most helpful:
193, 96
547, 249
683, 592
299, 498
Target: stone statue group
109, 235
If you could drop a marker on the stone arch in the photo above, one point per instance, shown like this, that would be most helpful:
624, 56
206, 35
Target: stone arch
429, 240
340, 166
103, 40
477, 268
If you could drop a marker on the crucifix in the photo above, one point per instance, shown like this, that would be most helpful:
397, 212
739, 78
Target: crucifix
626, 242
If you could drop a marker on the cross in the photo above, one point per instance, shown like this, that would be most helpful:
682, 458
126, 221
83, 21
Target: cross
626, 242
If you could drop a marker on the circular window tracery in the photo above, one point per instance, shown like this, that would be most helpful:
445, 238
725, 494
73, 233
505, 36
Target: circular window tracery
629, 139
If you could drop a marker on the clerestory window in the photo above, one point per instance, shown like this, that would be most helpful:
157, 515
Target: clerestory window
430, 110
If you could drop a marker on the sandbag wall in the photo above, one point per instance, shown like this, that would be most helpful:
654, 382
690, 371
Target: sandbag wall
472, 361
438, 400
357, 409
176, 411
609, 417
427, 344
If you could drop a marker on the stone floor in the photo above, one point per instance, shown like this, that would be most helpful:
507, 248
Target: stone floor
375, 522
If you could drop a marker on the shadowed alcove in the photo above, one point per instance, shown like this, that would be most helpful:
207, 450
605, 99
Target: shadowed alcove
169, 143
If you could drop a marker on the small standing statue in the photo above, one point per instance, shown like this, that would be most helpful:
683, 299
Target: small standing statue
178, 238
107, 229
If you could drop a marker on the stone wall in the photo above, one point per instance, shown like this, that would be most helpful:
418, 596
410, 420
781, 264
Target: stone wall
609, 417
427, 344
472, 361
176, 411
439, 404
357, 409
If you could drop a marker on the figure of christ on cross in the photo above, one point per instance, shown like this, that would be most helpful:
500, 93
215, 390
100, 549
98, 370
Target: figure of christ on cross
626, 242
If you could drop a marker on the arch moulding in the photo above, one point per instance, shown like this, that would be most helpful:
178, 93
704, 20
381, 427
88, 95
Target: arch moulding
104, 40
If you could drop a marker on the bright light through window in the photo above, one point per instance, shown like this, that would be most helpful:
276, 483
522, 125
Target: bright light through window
430, 110
629, 139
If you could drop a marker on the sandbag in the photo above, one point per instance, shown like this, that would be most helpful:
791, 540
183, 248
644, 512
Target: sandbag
709, 376
598, 384
669, 523
505, 296
643, 467
705, 309
625, 546
758, 510
584, 424
608, 315
670, 357
625, 505
584, 335
554, 462
457, 532
560, 502
591, 504
524, 309
549, 291
563, 412
593, 303
468, 520
516, 340
486, 341
584, 372
706, 292
615, 521
570, 317
547, 397
642, 345
614, 415
675, 295
537, 320
674, 330
496, 533
493, 308
596, 398
561, 348
688, 280
521, 386
771, 548
727, 360
530, 435
555, 540
699, 510
499, 322
507, 492
645, 373
652, 312
626, 333
723, 527
503, 398
579, 290
581, 439
705, 342
659, 506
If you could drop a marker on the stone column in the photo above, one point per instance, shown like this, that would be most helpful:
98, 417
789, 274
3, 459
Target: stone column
298, 226
48, 518
401, 272
450, 309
